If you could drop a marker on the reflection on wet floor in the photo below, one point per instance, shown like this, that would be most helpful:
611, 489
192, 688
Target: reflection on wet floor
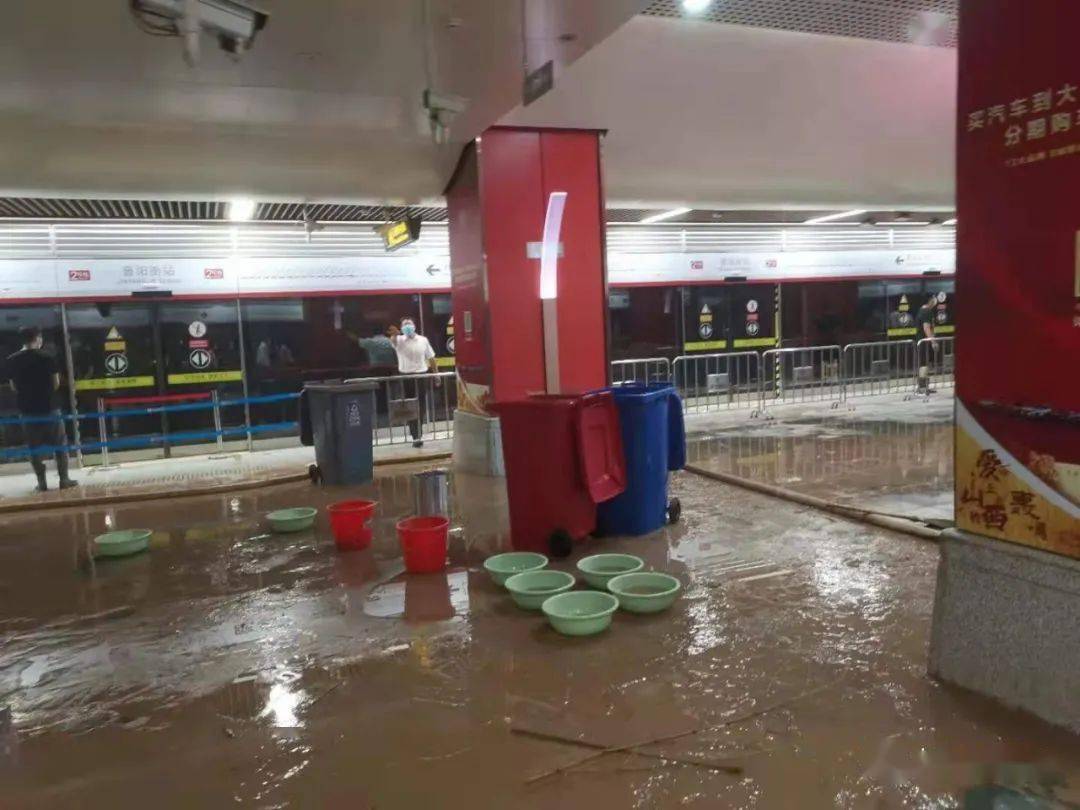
228, 665
893, 466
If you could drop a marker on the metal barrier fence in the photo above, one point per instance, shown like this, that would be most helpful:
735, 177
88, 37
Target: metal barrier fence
809, 374
713, 382
881, 367
937, 362
420, 407
412, 407
644, 370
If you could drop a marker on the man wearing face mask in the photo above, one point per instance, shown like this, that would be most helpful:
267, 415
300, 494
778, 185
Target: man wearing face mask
414, 356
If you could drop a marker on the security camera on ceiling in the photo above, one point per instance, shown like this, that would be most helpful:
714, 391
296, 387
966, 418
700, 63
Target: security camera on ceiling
234, 22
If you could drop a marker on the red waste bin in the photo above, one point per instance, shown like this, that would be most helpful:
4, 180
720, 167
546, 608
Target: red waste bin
563, 455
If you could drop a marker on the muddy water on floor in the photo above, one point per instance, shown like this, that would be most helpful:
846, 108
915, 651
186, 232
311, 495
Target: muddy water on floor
272, 671
892, 466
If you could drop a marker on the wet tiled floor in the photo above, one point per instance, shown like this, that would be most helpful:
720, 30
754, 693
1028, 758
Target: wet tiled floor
897, 460
231, 666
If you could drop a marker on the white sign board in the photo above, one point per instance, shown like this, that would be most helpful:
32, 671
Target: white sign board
675, 268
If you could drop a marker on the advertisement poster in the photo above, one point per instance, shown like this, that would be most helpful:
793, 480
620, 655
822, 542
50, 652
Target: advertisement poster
1018, 357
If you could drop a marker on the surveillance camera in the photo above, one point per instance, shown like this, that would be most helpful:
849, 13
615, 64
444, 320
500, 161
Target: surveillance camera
234, 22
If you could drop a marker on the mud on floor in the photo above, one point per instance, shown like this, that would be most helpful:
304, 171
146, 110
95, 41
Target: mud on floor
232, 666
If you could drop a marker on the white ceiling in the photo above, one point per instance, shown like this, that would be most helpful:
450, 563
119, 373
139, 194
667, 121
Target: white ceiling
721, 116
326, 106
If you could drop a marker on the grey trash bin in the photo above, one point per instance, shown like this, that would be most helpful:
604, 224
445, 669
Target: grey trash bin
341, 421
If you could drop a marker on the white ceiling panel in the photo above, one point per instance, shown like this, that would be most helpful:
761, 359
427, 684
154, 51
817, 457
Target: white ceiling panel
708, 115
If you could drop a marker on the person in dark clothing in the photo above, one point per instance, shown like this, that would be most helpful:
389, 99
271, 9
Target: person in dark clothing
35, 378
925, 317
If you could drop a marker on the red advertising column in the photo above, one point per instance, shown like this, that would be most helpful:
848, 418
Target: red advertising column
498, 199
1018, 273
1007, 604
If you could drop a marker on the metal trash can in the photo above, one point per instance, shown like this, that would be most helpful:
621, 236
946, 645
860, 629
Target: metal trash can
342, 417
431, 493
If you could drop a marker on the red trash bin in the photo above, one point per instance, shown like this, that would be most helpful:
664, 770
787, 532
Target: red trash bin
563, 455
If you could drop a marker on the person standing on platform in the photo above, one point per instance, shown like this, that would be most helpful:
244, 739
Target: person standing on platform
925, 319
415, 356
35, 378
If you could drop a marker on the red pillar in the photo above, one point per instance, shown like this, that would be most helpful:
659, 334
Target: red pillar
497, 203
1018, 273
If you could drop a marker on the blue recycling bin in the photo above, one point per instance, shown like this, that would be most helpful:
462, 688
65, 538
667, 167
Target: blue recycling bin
654, 442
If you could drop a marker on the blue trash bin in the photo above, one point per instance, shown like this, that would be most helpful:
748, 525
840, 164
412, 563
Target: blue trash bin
654, 442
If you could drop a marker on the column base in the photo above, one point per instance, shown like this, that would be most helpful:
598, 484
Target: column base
1007, 624
478, 444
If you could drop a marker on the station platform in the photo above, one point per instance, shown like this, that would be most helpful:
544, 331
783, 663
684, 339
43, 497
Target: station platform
894, 452
797, 649
186, 476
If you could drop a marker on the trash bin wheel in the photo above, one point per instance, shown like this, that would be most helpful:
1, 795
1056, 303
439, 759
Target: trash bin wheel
560, 544
674, 511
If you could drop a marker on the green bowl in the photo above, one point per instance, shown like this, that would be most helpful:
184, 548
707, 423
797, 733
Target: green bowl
645, 591
503, 566
599, 568
530, 589
292, 520
580, 613
122, 543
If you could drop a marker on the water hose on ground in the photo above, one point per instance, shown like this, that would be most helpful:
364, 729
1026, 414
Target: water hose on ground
883, 520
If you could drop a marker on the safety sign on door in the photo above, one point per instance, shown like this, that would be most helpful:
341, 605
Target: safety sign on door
197, 329
116, 364
705, 327
200, 358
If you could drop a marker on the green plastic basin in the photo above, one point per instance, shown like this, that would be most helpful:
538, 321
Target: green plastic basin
599, 568
503, 566
122, 543
645, 591
580, 613
531, 589
296, 519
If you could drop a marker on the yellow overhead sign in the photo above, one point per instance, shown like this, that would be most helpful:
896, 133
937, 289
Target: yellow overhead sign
399, 233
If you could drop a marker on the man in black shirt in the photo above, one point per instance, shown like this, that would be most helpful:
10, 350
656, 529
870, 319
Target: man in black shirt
925, 318
35, 378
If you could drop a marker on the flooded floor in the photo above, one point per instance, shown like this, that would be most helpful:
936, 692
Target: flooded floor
897, 460
230, 666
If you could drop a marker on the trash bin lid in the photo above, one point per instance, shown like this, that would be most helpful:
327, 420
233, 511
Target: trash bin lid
347, 387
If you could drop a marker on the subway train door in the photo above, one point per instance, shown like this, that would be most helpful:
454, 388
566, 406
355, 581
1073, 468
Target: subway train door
706, 319
113, 356
200, 348
753, 317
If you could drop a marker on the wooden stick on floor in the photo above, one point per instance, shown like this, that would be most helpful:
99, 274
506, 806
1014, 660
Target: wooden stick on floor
633, 747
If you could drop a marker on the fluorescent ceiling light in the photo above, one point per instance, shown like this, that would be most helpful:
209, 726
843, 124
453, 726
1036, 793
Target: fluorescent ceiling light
241, 209
949, 221
674, 212
695, 6
831, 217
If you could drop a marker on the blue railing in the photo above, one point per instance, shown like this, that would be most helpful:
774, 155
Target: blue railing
151, 440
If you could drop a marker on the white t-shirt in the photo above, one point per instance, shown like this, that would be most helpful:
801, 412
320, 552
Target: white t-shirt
413, 353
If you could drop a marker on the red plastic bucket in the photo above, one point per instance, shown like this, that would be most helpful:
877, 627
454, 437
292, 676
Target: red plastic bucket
423, 543
348, 522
